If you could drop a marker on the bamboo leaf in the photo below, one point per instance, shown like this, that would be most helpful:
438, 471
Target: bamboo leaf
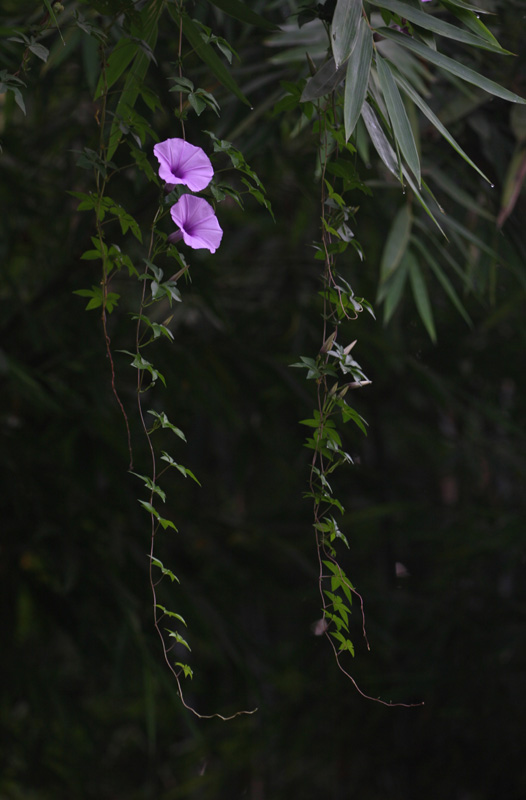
124, 52
324, 81
398, 116
390, 293
443, 279
431, 23
344, 29
471, 20
207, 54
420, 294
452, 66
386, 153
450, 186
469, 236
357, 77
149, 18
242, 12
379, 139
53, 17
424, 108
468, 7
396, 242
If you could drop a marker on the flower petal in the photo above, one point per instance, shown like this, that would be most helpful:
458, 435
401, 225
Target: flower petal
197, 222
182, 162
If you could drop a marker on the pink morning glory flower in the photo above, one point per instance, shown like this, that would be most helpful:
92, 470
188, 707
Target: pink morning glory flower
197, 223
181, 162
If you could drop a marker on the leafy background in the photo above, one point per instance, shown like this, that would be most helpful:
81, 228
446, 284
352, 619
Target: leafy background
87, 707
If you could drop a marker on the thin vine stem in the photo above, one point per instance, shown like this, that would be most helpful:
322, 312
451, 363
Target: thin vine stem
154, 528
325, 409
101, 182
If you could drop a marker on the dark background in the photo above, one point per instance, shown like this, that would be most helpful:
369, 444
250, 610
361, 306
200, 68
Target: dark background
88, 708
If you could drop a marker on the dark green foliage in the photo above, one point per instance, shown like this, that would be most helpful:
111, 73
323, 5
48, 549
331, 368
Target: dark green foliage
87, 707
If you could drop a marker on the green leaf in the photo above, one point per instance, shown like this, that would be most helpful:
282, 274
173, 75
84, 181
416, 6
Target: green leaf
386, 153
468, 7
443, 279
429, 22
349, 413
467, 234
149, 25
452, 66
420, 294
471, 20
168, 572
390, 292
171, 614
165, 523
357, 77
164, 422
450, 186
39, 50
345, 644
178, 638
379, 139
396, 242
240, 11
51, 13
422, 105
183, 470
142, 363
344, 29
148, 482
397, 114
324, 81
123, 53
186, 669
127, 222
207, 54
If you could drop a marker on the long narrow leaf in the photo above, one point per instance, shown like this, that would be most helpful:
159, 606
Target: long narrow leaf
242, 12
53, 17
357, 78
424, 108
443, 279
125, 50
421, 296
150, 22
207, 54
324, 81
386, 153
475, 9
432, 23
391, 291
379, 139
469, 236
396, 242
471, 20
446, 255
452, 66
344, 29
451, 187
398, 116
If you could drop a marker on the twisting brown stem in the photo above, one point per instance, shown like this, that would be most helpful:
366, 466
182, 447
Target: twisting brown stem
100, 182
318, 463
153, 583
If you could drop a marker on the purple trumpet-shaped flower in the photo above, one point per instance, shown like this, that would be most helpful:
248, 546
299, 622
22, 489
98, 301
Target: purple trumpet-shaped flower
181, 162
197, 223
